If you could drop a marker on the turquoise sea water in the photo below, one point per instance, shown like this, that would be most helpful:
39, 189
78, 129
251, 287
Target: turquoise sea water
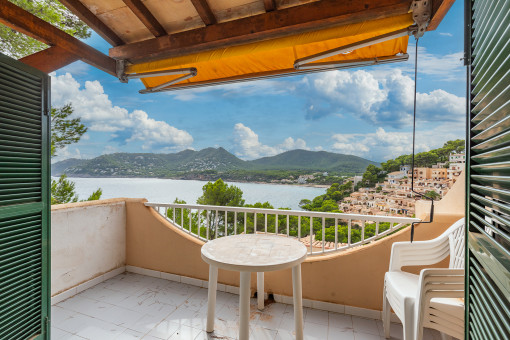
166, 190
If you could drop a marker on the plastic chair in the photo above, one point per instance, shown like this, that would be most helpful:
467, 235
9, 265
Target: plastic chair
433, 298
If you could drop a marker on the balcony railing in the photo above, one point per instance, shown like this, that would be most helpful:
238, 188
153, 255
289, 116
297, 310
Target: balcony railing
321, 232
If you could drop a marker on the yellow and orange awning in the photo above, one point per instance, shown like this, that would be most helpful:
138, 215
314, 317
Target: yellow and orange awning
277, 56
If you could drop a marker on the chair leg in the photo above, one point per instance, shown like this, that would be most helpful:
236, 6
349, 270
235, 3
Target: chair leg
386, 315
409, 320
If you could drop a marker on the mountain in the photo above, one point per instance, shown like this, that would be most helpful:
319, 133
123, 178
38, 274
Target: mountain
59, 168
312, 160
209, 160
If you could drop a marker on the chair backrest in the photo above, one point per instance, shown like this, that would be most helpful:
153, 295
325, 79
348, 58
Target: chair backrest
456, 237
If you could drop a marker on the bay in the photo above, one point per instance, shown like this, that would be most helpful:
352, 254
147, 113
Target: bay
158, 190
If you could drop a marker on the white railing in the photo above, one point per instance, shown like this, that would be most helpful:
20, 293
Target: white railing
335, 231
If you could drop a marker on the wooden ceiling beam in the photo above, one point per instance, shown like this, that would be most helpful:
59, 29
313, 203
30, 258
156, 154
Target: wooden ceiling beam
50, 59
146, 17
22, 21
439, 10
284, 22
270, 5
204, 11
93, 21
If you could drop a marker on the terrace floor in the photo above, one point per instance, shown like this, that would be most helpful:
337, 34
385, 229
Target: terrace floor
132, 306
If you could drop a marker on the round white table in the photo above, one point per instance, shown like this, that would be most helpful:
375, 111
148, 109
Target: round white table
253, 253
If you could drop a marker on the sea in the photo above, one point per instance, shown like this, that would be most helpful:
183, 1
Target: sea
167, 190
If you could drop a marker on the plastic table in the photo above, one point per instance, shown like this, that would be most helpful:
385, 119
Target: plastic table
253, 253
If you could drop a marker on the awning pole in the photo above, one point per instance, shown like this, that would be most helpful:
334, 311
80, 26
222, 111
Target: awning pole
299, 63
355, 63
191, 74
161, 73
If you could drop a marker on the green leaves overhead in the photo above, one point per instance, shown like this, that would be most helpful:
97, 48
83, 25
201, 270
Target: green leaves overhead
18, 45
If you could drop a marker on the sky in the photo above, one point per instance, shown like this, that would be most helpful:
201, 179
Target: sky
365, 112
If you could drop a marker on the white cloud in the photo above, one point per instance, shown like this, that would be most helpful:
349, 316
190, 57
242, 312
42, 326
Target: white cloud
446, 34
382, 98
247, 88
248, 145
96, 110
448, 67
382, 145
66, 153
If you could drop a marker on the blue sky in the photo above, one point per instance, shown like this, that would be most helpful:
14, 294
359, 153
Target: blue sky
365, 112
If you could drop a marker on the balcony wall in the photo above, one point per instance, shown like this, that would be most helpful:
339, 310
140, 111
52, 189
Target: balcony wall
92, 238
88, 239
350, 278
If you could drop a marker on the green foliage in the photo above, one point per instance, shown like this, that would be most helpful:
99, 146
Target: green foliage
96, 195
371, 177
18, 45
426, 159
433, 195
62, 191
328, 202
64, 130
220, 193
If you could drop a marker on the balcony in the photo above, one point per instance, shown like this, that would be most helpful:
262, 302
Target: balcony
133, 306
123, 270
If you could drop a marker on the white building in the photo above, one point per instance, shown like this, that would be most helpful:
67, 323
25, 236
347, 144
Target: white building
395, 176
457, 158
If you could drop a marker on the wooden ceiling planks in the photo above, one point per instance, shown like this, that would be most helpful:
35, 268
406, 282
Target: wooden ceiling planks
93, 21
146, 17
275, 24
270, 5
204, 11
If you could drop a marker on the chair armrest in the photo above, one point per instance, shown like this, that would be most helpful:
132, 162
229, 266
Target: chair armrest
418, 253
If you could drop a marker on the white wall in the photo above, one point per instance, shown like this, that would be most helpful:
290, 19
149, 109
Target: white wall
87, 240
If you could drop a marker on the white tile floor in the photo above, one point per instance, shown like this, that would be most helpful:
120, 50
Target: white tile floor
132, 306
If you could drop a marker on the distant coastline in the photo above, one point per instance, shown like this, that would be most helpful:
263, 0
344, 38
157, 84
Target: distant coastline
311, 185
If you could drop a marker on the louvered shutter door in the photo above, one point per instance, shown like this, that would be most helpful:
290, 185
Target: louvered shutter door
488, 166
24, 201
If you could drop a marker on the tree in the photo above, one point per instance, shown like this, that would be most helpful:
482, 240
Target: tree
64, 130
371, 177
62, 191
220, 193
433, 195
18, 45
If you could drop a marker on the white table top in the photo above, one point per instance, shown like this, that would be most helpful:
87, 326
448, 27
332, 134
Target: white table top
254, 253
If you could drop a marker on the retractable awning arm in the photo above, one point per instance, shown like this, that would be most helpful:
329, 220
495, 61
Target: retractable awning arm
308, 62
187, 73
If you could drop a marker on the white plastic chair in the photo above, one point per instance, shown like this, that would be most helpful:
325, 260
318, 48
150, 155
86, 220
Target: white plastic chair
433, 298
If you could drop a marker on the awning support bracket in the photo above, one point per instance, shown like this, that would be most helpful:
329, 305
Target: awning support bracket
305, 63
188, 73
124, 78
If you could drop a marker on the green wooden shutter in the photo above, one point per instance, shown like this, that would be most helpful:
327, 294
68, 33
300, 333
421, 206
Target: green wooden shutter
488, 165
24, 201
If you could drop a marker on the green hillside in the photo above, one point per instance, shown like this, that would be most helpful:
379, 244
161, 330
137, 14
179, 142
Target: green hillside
312, 160
209, 162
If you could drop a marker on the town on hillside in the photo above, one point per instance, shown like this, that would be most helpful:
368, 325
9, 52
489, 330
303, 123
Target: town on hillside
393, 197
